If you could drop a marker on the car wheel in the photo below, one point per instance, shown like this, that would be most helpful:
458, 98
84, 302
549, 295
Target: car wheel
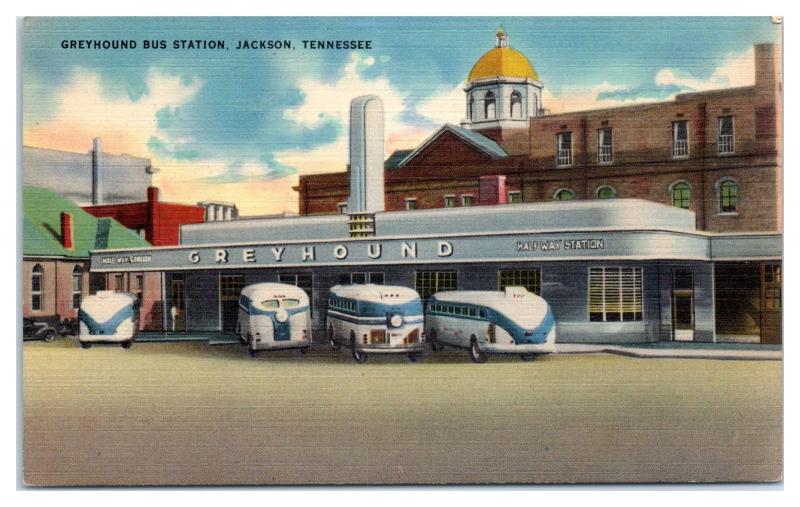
50, 336
475, 352
85, 345
528, 357
358, 355
435, 345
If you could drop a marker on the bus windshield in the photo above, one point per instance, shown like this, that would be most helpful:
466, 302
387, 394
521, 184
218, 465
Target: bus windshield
290, 303
270, 304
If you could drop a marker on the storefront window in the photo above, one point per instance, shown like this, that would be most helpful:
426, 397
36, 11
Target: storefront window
77, 286
615, 294
428, 282
531, 279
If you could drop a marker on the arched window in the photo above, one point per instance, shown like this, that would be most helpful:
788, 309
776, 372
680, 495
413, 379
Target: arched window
489, 106
77, 286
564, 194
471, 106
37, 287
681, 194
728, 196
516, 104
605, 192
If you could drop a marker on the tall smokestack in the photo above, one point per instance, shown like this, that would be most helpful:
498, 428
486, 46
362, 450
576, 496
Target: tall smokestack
366, 155
97, 171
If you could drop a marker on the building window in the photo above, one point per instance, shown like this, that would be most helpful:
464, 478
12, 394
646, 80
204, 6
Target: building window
615, 294
564, 194
341, 208
564, 147
725, 140
230, 286
680, 139
489, 106
516, 104
681, 194
514, 197
119, 282
471, 106
77, 286
302, 280
604, 155
728, 196
605, 192
531, 279
37, 287
411, 203
449, 201
367, 277
467, 200
427, 283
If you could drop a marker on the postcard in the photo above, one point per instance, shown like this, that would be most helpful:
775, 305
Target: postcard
374, 251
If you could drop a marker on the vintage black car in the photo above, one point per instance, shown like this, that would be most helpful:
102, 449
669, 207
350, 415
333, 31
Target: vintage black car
38, 330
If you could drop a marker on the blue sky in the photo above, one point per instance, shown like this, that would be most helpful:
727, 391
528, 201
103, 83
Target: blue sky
224, 121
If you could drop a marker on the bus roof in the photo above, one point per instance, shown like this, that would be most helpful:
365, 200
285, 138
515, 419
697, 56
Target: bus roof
274, 290
373, 292
506, 302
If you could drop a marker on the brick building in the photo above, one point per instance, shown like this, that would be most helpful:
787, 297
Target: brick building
717, 153
57, 238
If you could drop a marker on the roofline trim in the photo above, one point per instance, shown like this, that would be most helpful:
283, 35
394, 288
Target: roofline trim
436, 134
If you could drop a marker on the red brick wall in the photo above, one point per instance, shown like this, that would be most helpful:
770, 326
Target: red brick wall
57, 287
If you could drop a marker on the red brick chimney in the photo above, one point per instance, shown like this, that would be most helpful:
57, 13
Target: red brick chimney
66, 230
152, 194
492, 190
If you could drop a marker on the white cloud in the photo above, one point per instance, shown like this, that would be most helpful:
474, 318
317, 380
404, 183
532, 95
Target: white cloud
447, 105
736, 70
330, 102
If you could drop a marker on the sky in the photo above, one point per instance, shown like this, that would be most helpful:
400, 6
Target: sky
242, 125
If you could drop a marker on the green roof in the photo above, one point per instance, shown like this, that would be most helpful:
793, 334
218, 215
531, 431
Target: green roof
41, 227
396, 157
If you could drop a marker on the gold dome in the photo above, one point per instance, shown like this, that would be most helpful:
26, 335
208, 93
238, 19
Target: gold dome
502, 61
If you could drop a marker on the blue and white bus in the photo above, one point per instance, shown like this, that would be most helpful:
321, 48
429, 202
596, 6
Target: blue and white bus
513, 321
274, 316
375, 318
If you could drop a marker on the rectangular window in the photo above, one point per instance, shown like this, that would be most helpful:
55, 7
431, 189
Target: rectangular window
375, 277
302, 280
467, 200
514, 197
77, 288
119, 282
428, 282
531, 279
604, 154
449, 201
341, 208
230, 287
680, 139
411, 203
36, 287
564, 147
771, 287
139, 283
725, 139
615, 294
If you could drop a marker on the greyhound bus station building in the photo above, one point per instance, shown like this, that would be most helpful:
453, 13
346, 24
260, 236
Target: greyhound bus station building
644, 223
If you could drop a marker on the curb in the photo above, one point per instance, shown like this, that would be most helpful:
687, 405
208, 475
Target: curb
742, 355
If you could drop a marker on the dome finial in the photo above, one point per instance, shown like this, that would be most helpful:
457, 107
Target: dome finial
502, 37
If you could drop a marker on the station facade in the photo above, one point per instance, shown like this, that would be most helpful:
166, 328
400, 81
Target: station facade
617, 271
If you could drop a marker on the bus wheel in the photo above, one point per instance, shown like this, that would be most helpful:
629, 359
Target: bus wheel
127, 344
332, 339
475, 352
85, 345
414, 357
527, 357
358, 355
304, 350
435, 345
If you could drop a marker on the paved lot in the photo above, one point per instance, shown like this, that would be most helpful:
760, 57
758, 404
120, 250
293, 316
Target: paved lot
190, 413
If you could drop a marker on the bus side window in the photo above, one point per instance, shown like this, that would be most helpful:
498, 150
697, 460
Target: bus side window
483, 313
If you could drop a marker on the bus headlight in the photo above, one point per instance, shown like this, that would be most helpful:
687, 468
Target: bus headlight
281, 315
396, 320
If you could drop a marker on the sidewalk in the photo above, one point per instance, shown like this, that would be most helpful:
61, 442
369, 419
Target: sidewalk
679, 350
